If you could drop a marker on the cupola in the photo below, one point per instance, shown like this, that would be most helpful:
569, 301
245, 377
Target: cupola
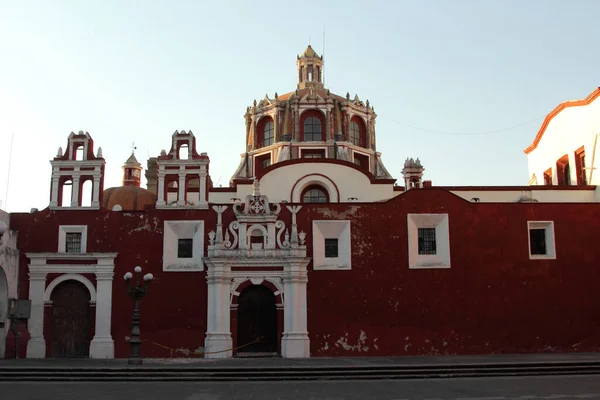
310, 69
132, 172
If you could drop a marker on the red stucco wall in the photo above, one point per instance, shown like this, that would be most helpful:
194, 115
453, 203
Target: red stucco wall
493, 299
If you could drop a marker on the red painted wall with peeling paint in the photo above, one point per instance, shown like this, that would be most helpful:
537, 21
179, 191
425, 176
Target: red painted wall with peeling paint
493, 299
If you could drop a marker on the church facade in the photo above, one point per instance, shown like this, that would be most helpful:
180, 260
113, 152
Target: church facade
313, 250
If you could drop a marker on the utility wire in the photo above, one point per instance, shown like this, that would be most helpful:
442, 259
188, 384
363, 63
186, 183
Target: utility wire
463, 133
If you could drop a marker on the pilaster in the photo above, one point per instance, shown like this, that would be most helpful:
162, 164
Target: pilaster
36, 346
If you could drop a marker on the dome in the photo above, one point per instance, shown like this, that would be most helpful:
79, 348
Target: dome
130, 198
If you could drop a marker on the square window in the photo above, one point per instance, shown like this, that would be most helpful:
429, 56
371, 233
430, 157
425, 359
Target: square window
426, 238
266, 162
185, 248
331, 248
428, 241
73, 242
537, 241
541, 240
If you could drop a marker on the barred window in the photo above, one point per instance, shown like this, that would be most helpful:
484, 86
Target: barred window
185, 248
427, 243
314, 194
73, 242
331, 248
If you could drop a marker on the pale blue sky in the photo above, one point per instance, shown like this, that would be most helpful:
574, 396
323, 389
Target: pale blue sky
138, 70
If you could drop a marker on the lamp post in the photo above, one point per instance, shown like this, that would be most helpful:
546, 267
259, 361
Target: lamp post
136, 291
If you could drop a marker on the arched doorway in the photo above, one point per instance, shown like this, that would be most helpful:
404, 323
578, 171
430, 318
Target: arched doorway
3, 311
70, 335
257, 318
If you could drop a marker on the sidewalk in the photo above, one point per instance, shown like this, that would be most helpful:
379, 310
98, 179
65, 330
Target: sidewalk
316, 362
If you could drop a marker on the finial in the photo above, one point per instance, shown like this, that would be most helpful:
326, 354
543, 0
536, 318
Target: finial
347, 96
99, 153
254, 102
276, 96
59, 153
133, 148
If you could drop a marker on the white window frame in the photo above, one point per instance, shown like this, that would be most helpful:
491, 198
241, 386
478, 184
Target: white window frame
548, 226
362, 154
254, 157
328, 229
62, 237
442, 241
308, 148
175, 230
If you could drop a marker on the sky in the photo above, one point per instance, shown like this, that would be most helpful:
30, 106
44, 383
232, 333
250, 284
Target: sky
462, 84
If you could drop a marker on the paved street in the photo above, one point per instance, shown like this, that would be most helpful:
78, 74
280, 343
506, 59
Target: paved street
522, 388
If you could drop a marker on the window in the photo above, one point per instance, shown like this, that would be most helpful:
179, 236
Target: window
72, 239
541, 240
567, 172
354, 133
73, 242
266, 162
537, 241
331, 248
312, 153
314, 194
185, 248
563, 172
331, 242
268, 134
312, 129
427, 241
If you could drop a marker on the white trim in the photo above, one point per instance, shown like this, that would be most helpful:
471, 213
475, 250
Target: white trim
362, 154
175, 230
306, 181
270, 151
442, 236
548, 226
102, 345
70, 277
62, 236
332, 229
304, 147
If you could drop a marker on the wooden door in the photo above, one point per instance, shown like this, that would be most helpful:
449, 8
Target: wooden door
70, 320
257, 318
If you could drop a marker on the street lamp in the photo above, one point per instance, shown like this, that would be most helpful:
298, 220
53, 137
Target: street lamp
136, 291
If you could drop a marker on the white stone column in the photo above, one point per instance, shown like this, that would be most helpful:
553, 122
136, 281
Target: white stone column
181, 188
295, 342
54, 192
36, 346
218, 342
75, 192
202, 200
96, 190
102, 346
160, 193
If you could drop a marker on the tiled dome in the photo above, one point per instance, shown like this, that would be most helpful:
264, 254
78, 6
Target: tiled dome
130, 198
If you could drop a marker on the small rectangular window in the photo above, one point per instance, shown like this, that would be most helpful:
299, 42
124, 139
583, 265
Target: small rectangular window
331, 248
537, 241
266, 162
185, 248
427, 243
73, 242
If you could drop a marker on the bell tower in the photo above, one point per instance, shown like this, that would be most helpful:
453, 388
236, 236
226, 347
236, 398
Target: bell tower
74, 167
310, 69
413, 174
132, 172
